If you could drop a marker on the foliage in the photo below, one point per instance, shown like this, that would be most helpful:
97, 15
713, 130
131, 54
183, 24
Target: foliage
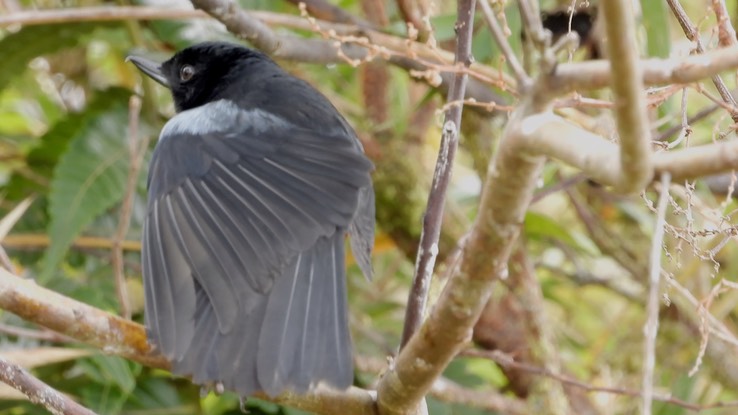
64, 131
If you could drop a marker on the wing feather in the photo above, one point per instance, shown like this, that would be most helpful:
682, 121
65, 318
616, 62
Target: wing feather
243, 255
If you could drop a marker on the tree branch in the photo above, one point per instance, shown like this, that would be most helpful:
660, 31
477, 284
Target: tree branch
38, 392
121, 337
630, 103
652, 304
690, 30
596, 74
428, 247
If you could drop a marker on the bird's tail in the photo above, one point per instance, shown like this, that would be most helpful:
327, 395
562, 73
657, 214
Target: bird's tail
296, 336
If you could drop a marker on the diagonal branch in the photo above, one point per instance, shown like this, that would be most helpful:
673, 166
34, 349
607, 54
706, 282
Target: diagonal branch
121, 337
38, 392
428, 249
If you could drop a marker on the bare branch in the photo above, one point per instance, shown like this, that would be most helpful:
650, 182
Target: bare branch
726, 32
652, 304
428, 249
134, 165
630, 103
504, 202
121, 337
413, 11
690, 30
501, 40
695, 162
509, 361
596, 74
38, 392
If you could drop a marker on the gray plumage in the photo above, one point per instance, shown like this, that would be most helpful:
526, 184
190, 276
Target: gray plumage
251, 195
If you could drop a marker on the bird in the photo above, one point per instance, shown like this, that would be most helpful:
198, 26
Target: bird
253, 186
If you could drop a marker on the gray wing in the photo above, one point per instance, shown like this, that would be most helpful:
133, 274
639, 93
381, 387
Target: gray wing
242, 221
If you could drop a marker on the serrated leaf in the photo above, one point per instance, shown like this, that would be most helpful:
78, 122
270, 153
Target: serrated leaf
42, 159
34, 41
89, 179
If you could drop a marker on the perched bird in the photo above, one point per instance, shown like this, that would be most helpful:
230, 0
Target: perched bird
252, 188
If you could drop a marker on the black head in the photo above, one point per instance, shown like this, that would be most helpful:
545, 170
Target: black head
205, 72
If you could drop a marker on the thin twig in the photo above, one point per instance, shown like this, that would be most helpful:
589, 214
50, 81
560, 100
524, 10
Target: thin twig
652, 305
702, 114
726, 32
428, 248
43, 335
41, 241
507, 360
38, 392
124, 219
690, 30
497, 33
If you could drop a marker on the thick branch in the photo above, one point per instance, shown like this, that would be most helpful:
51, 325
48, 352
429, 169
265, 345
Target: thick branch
630, 100
596, 74
38, 392
505, 200
117, 336
549, 135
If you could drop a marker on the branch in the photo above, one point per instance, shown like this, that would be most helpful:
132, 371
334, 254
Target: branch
549, 135
509, 186
690, 30
121, 337
38, 392
136, 154
596, 74
428, 247
652, 305
507, 360
726, 32
501, 40
630, 103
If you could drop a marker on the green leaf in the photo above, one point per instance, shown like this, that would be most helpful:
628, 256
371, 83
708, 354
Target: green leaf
89, 179
42, 159
657, 27
539, 226
33, 41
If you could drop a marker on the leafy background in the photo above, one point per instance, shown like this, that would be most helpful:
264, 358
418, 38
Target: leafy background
65, 93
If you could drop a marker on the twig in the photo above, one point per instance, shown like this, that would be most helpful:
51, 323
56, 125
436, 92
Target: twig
523, 79
413, 13
136, 154
33, 240
690, 30
330, 12
726, 32
702, 114
652, 305
44, 335
38, 392
507, 360
428, 247
630, 104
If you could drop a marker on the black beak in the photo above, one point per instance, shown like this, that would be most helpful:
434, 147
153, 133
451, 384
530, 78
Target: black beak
150, 68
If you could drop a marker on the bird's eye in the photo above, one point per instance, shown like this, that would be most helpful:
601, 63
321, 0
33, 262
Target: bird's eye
186, 73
